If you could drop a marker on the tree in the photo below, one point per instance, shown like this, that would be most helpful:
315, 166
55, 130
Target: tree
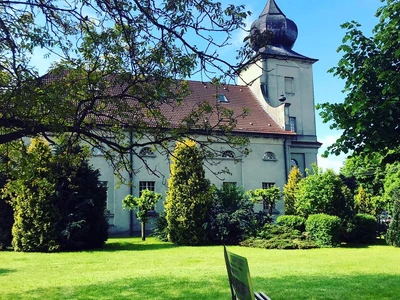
143, 204
290, 190
189, 196
363, 203
323, 192
370, 113
267, 196
81, 200
393, 233
32, 196
117, 66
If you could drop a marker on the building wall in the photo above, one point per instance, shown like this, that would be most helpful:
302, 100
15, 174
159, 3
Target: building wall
249, 171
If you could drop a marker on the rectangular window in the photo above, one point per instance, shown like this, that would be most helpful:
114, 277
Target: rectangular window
228, 183
267, 185
146, 185
292, 123
289, 85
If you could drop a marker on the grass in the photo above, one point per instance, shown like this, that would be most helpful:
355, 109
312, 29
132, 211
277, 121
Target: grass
128, 268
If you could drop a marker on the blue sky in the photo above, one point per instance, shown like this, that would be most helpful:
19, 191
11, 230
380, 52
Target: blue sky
318, 23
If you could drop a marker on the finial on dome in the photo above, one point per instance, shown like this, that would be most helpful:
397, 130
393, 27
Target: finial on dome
272, 19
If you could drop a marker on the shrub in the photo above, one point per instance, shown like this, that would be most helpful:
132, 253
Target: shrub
32, 196
393, 233
279, 237
189, 196
231, 217
291, 189
324, 229
323, 192
294, 222
81, 199
6, 218
362, 229
160, 230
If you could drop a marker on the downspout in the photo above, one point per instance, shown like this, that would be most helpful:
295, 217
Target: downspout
130, 181
285, 158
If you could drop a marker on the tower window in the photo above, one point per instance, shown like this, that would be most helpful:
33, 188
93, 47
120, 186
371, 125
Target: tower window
292, 124
289, 85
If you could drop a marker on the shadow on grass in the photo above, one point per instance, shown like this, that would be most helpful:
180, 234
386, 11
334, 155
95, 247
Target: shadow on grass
5, 271
380, 242
129, 244
216, 287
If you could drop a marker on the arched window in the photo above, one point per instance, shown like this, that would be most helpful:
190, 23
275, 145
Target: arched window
293, 163
269, 156
146, 151
228, 154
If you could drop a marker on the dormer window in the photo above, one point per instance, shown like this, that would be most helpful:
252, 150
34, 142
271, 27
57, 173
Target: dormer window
146, 152
222, 98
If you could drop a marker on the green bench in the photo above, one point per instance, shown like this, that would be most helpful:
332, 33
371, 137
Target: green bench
239, 278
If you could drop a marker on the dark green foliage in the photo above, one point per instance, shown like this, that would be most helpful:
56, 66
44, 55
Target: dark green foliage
362, 229
279, 237
291, 221
189, 196
81, 202
231, 217
160, 230
368, 117
324, 229
393, 233
6, 218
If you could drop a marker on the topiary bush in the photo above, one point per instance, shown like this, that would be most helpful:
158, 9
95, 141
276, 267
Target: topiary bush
231, 217
189, 196
291, 221
279, 237
324, 229
362, 229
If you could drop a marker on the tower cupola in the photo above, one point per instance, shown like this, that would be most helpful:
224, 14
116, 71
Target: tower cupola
272, 19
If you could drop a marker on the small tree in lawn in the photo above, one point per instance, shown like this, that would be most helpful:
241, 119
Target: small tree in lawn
189, 196
290, 190
268, 196
363, 203
143, 204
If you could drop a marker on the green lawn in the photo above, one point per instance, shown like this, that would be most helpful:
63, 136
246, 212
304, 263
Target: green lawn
131, 269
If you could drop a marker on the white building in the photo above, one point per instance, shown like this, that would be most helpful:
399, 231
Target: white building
281, 126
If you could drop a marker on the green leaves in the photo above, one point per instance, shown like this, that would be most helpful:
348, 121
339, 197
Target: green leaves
370, 67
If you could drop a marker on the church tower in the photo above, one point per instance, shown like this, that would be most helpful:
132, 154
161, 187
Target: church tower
282, 81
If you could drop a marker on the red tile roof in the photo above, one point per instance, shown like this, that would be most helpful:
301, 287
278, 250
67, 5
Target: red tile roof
239, 98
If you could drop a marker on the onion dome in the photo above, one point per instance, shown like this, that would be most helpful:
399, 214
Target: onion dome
272, 19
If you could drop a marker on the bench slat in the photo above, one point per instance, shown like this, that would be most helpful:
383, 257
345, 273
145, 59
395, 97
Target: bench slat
261, 296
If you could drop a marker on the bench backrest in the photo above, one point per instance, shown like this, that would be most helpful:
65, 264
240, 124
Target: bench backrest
239, 276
